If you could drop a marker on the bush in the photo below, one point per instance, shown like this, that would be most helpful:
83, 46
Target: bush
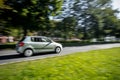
7, 46
64, 43
81, 43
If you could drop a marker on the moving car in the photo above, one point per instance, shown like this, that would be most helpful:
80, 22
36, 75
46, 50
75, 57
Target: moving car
36, 44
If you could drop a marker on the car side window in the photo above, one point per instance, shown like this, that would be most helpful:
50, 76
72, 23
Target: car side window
35, 39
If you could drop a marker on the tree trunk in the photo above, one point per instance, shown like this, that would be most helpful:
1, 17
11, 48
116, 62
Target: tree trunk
85, 33
24, 31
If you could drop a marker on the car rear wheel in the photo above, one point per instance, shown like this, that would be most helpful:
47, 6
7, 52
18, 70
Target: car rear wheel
28, 52
57, 50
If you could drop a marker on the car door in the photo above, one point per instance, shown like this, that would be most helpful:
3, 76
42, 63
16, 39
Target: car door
46, 44
36, 41
42, 44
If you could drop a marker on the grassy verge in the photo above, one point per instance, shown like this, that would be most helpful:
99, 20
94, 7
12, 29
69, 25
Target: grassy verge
92, 65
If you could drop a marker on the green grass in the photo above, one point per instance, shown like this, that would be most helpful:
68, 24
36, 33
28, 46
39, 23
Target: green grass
92, 65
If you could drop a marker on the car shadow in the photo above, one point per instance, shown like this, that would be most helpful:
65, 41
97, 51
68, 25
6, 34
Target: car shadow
16, 56
5, 57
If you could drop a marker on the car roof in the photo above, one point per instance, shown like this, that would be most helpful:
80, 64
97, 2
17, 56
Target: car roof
36, 36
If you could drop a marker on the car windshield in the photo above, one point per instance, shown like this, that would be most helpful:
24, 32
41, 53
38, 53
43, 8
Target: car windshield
47, 40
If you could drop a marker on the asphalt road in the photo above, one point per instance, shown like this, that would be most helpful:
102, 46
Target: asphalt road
10, 56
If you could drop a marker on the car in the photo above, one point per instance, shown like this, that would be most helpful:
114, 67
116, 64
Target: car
30, 45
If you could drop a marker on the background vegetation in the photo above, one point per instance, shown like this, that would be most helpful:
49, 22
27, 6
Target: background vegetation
83, 19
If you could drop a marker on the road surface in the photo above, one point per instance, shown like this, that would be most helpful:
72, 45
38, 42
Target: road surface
10, 56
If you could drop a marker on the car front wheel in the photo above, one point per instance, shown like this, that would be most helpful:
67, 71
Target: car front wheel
57, 50
28, 52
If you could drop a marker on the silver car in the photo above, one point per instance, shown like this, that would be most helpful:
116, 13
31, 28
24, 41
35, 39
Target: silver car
36, 44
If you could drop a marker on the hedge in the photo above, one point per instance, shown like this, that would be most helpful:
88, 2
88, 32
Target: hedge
64, 43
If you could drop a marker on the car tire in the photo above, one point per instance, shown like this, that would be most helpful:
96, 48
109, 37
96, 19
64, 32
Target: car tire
57, 50
28, 52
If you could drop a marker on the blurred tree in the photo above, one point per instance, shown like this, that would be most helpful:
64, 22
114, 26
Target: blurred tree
29, 14
1, 3
117, 29
111, 22
68, 26
92, 16
87, 12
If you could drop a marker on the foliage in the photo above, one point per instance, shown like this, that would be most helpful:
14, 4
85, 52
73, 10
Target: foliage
29, 14
91, 16
8, 46
92, 65
2, 4
68, 26
83, 19
94, 17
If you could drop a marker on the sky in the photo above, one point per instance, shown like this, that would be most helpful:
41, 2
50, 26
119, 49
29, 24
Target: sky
116, 4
